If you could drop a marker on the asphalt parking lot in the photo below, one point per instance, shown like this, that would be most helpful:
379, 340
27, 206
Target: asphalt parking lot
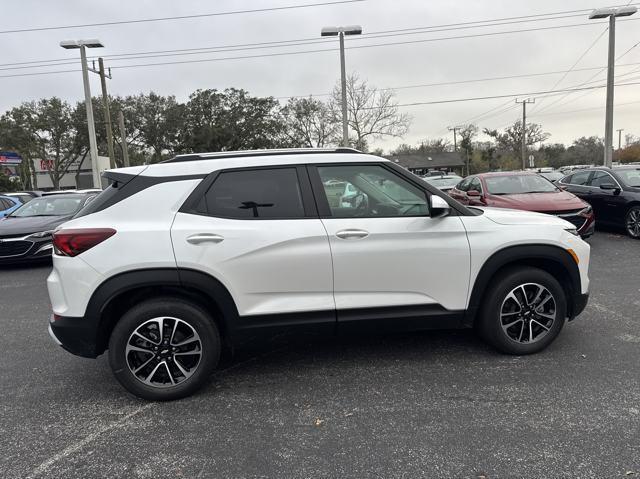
434, 404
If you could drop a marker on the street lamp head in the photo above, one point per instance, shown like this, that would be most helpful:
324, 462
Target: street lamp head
615, 12
335, 31
74, 44
352, 30
329, 32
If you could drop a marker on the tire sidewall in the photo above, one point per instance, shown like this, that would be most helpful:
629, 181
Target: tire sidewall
490, 325
196, 317
626, 218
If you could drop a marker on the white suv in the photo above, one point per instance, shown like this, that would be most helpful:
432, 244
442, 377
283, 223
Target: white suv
175, 259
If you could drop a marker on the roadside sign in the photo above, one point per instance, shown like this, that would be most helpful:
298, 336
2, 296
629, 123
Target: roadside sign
531, 161
10, 158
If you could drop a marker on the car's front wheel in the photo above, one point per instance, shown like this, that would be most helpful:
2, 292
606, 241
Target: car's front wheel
164, 349
632, 222
523, 312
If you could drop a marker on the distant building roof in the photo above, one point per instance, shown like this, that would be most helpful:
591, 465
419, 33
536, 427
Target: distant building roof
429, 160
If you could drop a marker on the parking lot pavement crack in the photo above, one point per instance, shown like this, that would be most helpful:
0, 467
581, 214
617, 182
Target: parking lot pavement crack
77, 446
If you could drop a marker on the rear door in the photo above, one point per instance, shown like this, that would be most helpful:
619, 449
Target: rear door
256, 230
387, 251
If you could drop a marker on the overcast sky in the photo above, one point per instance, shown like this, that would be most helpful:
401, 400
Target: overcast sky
449, 60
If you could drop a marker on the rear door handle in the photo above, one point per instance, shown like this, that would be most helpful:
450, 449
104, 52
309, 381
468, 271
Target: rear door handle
352, 234
204, 238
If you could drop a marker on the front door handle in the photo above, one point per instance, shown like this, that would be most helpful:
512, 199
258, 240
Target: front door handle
352, 234
204, 238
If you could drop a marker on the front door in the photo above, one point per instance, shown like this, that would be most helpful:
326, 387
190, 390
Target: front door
387, 251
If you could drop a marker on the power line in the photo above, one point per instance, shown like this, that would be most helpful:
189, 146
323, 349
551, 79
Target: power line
510, 95
314, 40
180, 17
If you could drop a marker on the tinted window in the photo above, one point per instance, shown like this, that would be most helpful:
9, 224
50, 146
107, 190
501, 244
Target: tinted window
370, 191
4, 204
600, 178
579, 178
260, 193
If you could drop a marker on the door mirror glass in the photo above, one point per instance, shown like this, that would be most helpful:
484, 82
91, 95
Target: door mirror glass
439, 207
474, 193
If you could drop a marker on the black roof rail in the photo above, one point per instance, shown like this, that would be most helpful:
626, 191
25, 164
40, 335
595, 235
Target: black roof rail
246, 153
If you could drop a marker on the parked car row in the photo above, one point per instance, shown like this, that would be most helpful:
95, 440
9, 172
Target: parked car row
26, 231
583, 197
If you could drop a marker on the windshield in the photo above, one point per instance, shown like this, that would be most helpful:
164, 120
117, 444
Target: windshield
518, 184
440, 182
630, 177
552, 175
49, 206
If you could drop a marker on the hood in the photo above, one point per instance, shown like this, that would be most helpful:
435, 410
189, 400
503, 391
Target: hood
554, 201
13, 226
504, 216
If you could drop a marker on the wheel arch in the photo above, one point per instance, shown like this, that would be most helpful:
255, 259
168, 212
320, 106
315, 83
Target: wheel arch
552, 259
119, 293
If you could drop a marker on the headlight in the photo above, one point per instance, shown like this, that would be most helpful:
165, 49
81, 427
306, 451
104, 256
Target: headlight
573, 231
586, 211
41, 234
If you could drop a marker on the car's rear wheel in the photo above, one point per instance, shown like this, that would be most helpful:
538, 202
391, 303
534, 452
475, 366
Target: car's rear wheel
632, 222
523, 312
164, 349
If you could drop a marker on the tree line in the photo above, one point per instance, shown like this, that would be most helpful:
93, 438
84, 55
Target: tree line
158, 127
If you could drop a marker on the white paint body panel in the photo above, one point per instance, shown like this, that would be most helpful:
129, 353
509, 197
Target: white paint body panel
268, 266
403, 261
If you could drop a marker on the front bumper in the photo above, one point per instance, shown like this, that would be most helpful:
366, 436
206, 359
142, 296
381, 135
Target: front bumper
76, 335
20, 250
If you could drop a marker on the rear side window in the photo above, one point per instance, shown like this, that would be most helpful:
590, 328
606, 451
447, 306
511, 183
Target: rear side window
261, 193
579, 178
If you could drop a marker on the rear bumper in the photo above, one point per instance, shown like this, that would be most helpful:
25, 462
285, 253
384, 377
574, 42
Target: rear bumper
579, 304
76, 335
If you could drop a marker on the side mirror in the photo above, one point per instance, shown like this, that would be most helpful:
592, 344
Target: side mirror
439, 207
474, 193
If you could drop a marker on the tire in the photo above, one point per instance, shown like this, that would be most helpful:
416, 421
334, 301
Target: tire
508, 322
168, 366
632, 222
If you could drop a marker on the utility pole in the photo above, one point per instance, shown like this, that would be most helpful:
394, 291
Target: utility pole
524, 129
454, 129
620, 138
123, 135
105, 105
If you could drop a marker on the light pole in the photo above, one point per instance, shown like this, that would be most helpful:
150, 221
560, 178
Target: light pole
341, 32
93, 146
611, 13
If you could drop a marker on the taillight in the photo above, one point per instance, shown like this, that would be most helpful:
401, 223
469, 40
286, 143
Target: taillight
72, 242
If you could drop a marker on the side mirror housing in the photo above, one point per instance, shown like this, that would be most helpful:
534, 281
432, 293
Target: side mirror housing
439, 207
474, 193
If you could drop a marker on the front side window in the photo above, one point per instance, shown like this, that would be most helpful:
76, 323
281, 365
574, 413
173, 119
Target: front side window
260, 193
601, 178
464, 184
475, 185
370, 191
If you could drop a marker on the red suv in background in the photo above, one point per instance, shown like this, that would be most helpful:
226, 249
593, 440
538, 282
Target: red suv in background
525, 191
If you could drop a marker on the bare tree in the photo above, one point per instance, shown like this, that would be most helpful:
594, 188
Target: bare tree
373, 113
309, 123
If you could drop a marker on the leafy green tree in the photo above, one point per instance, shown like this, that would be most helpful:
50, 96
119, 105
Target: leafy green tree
553, 155
511, 138
585, 151
230, 120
